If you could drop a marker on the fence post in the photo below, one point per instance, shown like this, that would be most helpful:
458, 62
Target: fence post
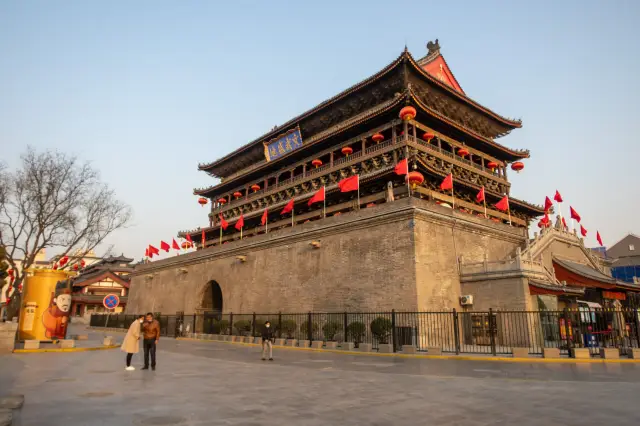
393, 329
345, 327
635, 314
279, 325
230, 323
253, 327
193, 327
492, 335
309, 328
566, 330
456, 331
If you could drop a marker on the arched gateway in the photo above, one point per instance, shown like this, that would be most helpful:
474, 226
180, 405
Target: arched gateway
212, 299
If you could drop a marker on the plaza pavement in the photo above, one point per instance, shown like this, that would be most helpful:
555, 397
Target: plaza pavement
214, 383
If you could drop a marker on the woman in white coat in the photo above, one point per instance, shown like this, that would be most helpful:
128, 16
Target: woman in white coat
131, 343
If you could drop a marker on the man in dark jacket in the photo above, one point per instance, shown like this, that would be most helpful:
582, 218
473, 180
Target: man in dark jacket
267, 337
151, 335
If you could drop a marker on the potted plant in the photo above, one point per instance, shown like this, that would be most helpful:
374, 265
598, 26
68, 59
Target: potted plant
356, 331
330, 330
381, 330
304, 331
288, 328
243, 327
222, 326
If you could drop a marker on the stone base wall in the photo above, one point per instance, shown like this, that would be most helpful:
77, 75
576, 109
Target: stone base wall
400, 255
7, 336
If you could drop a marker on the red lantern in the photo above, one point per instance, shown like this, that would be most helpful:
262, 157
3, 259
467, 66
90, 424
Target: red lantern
408, 113
347, 150
492, 165
517, 166
377, 138
222, 200
82, 263
202, 201
316, 163
237, 194
428, 136
10, 272
75, 267
55, 266
463, 152
186, 245
255, 187
415, 179
64, 260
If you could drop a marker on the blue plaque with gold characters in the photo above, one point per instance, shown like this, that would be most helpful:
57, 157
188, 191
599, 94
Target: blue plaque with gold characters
283, 144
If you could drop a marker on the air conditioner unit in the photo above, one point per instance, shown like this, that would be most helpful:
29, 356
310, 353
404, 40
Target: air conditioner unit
466, 300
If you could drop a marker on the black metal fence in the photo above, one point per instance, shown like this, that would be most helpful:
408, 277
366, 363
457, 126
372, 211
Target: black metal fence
489, 332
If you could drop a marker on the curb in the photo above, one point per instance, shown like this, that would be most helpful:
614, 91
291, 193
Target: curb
447, 357
35, 351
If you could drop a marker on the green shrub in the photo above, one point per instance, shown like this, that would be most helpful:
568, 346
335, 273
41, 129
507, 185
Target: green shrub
330, 330
381, 329
304, 327
356, 331
243, 326
288, 327
221, 327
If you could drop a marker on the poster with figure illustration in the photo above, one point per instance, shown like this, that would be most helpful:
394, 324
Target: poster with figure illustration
56, 318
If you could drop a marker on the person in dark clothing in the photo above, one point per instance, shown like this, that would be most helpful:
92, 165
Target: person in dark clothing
151, 335
267, 338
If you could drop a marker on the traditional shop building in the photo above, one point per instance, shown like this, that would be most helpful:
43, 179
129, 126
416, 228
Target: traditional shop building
106, 276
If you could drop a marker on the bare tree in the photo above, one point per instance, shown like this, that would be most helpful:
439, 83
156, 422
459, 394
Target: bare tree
53, 200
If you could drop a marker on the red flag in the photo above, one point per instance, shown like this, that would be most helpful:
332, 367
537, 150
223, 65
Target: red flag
317, 197
402, 168
583, 231
480, 196
557, 197
598, 238
288, 208
547, 204
264, 217
503, 204
164, 246
204, 238
574, 214
564, 223
350, 184
188, 237
146, 253
240, 223
545, 220
175, 245
447, 183
223, 223
153, 250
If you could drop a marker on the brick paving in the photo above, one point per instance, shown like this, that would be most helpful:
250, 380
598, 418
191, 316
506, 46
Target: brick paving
206, 383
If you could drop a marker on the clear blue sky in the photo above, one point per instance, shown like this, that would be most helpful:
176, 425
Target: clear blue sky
146, 90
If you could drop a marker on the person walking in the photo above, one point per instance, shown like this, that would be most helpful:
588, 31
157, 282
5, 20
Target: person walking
267, 337
131, 344
151, 335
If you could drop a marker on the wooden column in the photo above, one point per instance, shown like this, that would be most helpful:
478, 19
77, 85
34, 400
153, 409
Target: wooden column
331, 159
415, 132
505, 172
393, 134
439, 143
266, 183
304, 170
364, 145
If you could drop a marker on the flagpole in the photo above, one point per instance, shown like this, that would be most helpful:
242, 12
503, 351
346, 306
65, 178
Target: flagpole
241, 231
453, 199
220, 234
359, 191
324, 201
484, 201
509, 209
293, 213
266, 225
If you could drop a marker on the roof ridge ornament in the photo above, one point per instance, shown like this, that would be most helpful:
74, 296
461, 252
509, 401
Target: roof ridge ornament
433, 48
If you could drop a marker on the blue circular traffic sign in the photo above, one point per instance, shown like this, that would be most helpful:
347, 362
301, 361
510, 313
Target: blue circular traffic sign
111, 301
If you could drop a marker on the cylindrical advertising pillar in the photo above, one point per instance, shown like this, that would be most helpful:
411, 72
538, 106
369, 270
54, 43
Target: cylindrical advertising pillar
44, 312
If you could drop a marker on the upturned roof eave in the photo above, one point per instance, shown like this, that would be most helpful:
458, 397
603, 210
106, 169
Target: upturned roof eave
296, 120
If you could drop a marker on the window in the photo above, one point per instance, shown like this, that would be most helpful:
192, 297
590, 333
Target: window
631, 247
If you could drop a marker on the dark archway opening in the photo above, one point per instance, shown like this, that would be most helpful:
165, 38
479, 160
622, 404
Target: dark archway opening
212, 300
